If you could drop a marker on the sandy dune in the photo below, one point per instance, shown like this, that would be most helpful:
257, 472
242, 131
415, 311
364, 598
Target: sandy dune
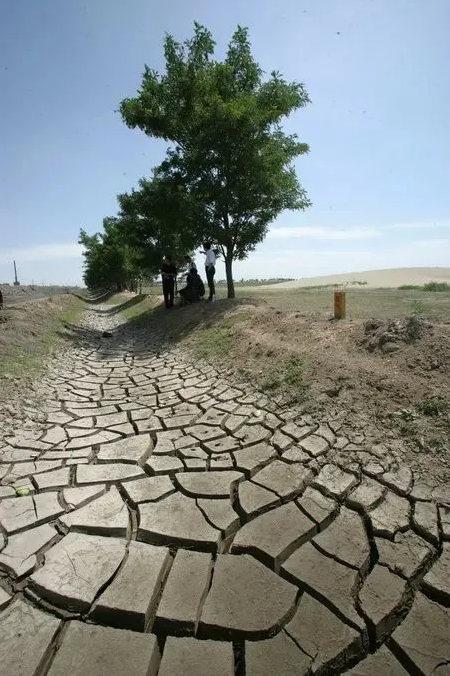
374, 278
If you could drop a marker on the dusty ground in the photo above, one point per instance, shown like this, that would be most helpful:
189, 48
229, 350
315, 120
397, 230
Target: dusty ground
29, 333
156, 497
287, 343
13, 295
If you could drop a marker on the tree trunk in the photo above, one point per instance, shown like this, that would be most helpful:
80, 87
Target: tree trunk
229, 273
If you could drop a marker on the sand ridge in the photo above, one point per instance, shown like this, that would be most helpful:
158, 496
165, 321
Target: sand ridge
374, 279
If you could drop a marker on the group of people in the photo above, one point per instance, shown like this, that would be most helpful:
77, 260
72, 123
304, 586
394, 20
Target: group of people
195, 288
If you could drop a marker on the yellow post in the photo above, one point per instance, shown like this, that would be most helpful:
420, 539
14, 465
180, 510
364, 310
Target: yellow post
339, 304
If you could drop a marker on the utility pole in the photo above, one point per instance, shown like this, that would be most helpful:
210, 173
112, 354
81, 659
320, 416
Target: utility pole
16, 281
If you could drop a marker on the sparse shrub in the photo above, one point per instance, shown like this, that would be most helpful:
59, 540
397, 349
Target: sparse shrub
418, 308
293, 370
405, 414
433, 407
270, 383
436, 286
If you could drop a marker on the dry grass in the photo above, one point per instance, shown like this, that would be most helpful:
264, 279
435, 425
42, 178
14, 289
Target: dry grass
28, 333
362, 303
373, 279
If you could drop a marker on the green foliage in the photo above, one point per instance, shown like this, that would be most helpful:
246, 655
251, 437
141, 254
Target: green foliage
436, 286
293, 370
271, 382
434, 406
405, 414
430, 286
213, 343
228, 171
287, 378
109, 262
418, 308
152, 221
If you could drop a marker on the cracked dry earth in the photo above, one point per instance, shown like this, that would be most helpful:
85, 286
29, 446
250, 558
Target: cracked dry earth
177, 525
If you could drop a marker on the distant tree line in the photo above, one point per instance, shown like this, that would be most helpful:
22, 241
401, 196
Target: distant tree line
228, 170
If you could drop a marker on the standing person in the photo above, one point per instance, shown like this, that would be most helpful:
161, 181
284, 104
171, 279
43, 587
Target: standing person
210, 269
168, 274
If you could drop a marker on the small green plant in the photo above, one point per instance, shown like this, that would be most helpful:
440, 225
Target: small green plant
244, 374
271, 382
418, 308
407, 429
405, 414
436, 286
430, 286
287, 378
293, 370
433, 407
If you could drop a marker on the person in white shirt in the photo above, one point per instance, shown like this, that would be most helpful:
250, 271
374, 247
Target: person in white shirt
210, 269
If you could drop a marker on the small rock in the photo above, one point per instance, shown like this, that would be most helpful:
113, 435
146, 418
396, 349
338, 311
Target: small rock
10, 409
388, 348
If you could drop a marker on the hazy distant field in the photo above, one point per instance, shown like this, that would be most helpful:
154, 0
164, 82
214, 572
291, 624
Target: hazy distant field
15, 295
376, 279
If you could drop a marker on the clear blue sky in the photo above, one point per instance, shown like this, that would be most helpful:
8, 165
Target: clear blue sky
378, 173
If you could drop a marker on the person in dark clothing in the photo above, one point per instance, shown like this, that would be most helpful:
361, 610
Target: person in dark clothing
194, 289
189, 263
168, 274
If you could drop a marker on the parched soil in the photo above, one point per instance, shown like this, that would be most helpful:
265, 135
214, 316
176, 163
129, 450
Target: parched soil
15, 295
154, 486
340, 368
29, 333
396, 393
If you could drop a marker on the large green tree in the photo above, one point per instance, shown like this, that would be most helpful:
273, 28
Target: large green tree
150, 223
109, 262
153, 218
227, 150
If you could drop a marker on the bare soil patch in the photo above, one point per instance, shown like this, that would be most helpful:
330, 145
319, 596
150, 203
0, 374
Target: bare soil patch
23, 293
288, 345
29, 332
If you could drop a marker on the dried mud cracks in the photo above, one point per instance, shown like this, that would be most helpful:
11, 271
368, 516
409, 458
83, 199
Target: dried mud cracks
177, 525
